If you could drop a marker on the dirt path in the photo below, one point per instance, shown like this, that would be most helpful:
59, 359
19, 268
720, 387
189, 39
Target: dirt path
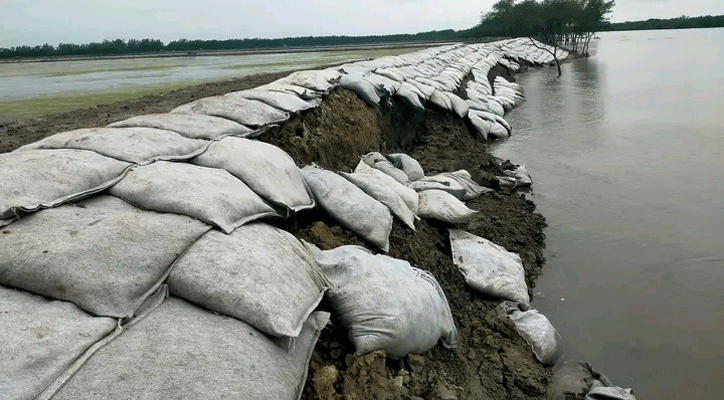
493, 361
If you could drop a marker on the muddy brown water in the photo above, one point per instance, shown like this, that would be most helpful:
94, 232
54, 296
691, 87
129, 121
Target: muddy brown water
627, 154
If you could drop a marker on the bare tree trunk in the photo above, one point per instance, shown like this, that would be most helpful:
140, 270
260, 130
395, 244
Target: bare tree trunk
555, 50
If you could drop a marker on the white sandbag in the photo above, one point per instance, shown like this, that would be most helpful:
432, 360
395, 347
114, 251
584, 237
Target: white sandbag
482, 127
498, 131
284, 101
384, 194
489, 268
391, 74
521, 176
408, 195
102, 254
495, 106
426, 90
180, 351
408, 165
385, 303
364, 89
443, 206
409, 96
350, 206
299, 91
35, 179
252, 113
319, 80
537, 331
610, 393
192, 126
259, 274
207, 194
459, 106
441, 100
382, 84
41, 338
135, 145
379, 162
458, 183
268, 170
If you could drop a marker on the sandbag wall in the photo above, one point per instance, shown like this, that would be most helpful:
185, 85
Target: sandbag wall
99, 225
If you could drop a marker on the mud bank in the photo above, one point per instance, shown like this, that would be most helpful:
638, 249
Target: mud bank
492, 361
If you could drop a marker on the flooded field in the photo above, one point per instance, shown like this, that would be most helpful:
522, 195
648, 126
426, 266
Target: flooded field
30, 89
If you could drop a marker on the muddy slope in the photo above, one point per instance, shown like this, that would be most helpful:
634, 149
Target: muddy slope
492, 362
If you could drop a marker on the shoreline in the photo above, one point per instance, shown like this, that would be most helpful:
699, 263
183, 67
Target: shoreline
493, 360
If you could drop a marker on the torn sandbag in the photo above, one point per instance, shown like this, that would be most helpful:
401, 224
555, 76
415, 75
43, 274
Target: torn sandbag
102, 254
182, 351
521, 176
408, 195
35, 179
489, 268
378, 161
134, 145
408, 165
385, 303
319, 80
211, 195
537, 331
364, 89
251, 113
284, 101
192, 126
384, 194
259, 274
268, 170
442, 206
350, 206
42, 338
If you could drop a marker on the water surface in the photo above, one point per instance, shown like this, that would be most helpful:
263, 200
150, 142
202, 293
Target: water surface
627, 153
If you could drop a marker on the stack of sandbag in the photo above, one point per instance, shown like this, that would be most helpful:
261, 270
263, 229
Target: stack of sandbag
510, 95
192, 126
577, 379
407, 313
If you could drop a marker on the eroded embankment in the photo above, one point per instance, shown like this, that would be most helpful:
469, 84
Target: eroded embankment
493, 361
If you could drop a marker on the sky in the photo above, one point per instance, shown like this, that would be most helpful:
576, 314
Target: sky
36, 22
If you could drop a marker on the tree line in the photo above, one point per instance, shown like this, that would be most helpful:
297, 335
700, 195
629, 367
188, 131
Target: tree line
683, 22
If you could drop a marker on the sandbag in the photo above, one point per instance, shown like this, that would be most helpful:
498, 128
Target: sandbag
378, 161
498, 131
409, 96
102, 254
134, 145
364, 89
41, 338
482, 127
35, 179
521, 176
180, 351
577, 379
441, 100
537, 331
192, 126
408, 165
459, 105
489, 268
259, 274
408, 195
268, 170
442, 206
301, 92
319, 80
252, 113
384, 194
459, 183
385, 303
284, 101
350, 206
207, 194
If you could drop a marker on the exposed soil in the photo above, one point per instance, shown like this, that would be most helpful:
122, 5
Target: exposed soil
492, 361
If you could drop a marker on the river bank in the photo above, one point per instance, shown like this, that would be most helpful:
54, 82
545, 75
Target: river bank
492, 360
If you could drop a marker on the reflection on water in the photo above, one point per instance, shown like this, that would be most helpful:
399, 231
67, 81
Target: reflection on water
627, 151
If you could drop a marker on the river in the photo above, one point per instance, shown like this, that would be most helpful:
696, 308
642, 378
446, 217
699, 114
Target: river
627, 153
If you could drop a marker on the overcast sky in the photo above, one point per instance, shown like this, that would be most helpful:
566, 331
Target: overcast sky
31, 22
